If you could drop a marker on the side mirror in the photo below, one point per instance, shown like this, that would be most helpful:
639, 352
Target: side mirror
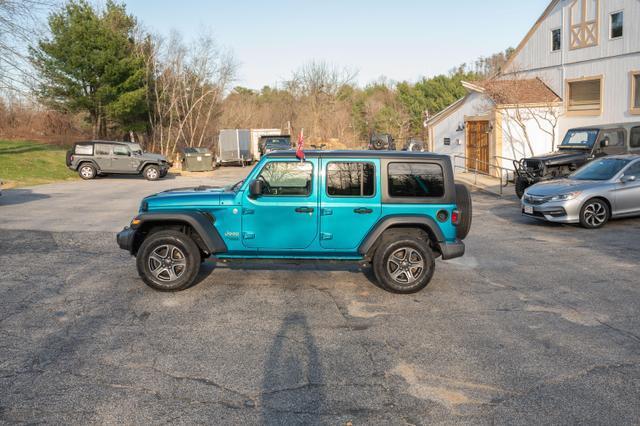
627, 179
255, 188
604, 143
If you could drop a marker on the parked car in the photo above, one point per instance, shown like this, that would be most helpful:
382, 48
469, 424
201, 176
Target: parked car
93, 158
397, 211
269, 144
578, 147
605, 188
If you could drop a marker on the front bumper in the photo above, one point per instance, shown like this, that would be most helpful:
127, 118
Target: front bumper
556, 211
126, 239
452, 250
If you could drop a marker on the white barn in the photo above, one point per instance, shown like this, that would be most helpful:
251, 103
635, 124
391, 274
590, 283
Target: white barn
586, 52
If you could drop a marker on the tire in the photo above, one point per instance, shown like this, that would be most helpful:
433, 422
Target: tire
151, 172
168, 261
521, 185
393, 253
87, 171
594, 214
163, 174
465, 207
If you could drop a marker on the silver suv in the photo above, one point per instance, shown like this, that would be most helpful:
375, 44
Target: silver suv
92, 158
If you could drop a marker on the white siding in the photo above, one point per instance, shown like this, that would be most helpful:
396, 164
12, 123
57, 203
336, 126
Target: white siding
535, 139
474, 104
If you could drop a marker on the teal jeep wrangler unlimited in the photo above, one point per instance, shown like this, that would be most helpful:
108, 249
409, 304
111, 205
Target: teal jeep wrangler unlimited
398, 211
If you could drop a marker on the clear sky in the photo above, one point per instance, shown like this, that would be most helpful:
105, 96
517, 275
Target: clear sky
400, 39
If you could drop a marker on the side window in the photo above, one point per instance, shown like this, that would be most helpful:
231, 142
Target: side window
287, 178
616, 141
635, 137
84, 149
355, 179
416, 180
120, 150
102, 149
633, 170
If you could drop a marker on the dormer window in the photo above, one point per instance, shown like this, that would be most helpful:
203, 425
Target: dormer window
616, 25
584, 23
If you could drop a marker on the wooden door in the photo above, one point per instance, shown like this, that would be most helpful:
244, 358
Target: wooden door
478, 145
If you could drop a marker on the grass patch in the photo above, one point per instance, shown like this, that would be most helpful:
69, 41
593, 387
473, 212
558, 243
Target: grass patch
25, 163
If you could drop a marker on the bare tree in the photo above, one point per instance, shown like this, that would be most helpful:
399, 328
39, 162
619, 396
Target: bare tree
187, 84
18, 29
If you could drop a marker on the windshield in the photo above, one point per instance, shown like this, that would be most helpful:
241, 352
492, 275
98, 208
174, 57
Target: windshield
579, 139
603, 169
135, 148
278, 143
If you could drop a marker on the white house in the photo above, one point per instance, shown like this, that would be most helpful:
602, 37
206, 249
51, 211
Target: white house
586, 52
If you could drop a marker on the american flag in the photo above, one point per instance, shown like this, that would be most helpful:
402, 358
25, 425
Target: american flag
299, 151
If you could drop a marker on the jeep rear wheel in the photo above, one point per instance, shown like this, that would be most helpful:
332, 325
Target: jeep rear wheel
403, 264
87, 171
168, 261
151, 173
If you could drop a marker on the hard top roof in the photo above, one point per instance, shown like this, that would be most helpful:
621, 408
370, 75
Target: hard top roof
360, 154
107, 142
608, 126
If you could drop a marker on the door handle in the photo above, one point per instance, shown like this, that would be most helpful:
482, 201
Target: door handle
362, 210
304, 210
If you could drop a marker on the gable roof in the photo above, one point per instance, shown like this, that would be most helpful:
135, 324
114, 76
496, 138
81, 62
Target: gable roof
446, 112
518, 91
526, 38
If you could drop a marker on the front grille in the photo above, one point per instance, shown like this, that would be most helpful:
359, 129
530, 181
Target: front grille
536, 200
533, 164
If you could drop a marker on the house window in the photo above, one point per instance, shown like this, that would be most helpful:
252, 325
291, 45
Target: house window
617, 24
585, 96
447, 141
635, 92
556, 40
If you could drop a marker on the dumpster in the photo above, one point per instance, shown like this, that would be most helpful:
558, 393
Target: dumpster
197, 159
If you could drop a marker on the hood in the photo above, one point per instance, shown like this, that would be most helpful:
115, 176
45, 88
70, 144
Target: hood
559, 186
196, 197
152, 156
563, 156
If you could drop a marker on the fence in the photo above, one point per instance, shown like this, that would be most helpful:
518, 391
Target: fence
502, 172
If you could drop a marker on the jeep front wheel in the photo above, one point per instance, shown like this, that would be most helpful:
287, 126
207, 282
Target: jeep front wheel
168, 261
404, 265
87, 171
151, 173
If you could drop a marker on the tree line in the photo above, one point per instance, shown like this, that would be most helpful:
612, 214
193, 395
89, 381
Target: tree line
97, 64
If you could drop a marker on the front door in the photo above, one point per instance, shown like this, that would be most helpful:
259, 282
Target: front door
102, 156
122, 161
627, 199
350, 202
285, 216
478, 146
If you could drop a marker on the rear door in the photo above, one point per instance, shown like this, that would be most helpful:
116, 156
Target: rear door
102, 156
350, 203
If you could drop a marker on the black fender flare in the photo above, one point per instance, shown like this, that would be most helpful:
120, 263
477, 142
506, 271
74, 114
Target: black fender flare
387, 222
147, 163
203, 224
90, 161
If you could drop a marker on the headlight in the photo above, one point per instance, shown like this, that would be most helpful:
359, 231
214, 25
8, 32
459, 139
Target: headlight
565, 197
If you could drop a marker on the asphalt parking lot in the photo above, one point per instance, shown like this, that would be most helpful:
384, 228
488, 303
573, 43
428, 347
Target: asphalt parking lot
538, 323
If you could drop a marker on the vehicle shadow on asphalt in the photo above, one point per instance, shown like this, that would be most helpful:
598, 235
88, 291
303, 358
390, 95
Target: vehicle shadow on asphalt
169, 176
12, 197
293, 377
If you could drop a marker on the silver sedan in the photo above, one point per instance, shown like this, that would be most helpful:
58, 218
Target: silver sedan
605, 188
